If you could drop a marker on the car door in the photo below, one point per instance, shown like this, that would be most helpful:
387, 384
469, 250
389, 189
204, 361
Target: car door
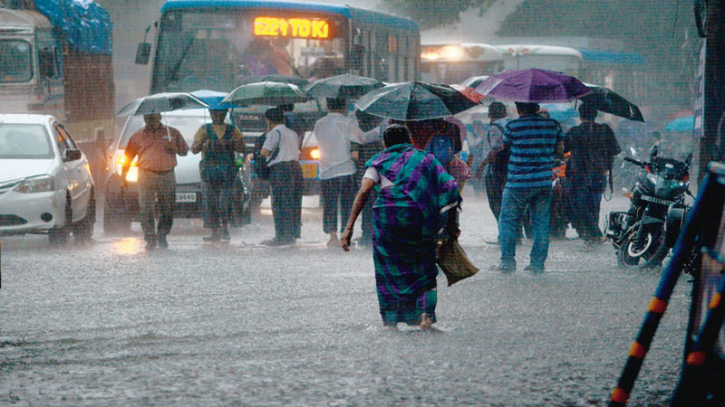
77, 174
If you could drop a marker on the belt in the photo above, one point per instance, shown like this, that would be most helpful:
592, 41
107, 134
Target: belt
159, 172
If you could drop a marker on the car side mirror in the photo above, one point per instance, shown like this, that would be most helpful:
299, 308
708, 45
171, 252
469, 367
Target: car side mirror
688, 160
653, 152
73, 155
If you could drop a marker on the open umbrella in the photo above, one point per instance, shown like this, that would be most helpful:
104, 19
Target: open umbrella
213, 99
350, 86
560, 111
266, 93
161, 102
681, 124
295, 80
608, 101
474, 81
533, 85
469, 92
412, 101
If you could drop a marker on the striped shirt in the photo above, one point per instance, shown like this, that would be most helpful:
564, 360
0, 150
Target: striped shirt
532, 141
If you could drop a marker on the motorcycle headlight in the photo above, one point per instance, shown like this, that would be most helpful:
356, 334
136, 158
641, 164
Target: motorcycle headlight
41, 183
652, 178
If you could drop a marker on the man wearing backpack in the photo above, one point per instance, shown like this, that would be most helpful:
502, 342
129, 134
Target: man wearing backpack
593, 147
533, 143
495, 161
218, 141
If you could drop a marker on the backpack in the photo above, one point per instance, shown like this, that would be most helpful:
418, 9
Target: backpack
443, 147
259, 163
499, 164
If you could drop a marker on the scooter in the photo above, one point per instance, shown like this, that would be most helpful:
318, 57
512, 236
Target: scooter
644, 235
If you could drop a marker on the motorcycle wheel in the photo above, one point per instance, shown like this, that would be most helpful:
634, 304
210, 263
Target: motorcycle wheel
649, 256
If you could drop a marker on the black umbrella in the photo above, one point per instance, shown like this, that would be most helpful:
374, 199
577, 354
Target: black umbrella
413, 101
295, 80
350, 86
608, 101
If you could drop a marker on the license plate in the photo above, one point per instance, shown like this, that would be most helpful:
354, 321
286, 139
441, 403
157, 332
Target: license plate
657, 200
186, 197
309, 170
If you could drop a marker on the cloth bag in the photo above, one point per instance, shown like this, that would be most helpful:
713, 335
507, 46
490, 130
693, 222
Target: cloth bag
451, 258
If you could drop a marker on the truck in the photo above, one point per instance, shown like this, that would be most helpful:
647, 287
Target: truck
56, 59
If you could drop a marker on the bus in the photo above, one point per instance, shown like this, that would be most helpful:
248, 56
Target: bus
215, 44
554, 58
220, 44
452, 63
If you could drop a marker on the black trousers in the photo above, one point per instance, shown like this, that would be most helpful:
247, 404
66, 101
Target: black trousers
285, 178
337, 191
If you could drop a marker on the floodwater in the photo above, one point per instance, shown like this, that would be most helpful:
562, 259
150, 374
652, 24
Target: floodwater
247, 325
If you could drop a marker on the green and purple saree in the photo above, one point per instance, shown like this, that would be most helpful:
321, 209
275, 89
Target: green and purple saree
408, 217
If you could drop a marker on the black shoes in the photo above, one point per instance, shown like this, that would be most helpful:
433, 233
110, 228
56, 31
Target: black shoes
162, 242
150, 244
534, 269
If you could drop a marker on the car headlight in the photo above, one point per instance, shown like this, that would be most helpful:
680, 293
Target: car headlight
41, 183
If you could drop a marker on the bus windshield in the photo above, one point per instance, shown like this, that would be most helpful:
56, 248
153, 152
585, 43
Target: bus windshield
219, 49
16, 62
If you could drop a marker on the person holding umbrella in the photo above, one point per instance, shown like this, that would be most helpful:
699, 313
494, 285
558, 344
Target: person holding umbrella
334, 134
218, 141
156, 147
281, 150
593, 147
533, 142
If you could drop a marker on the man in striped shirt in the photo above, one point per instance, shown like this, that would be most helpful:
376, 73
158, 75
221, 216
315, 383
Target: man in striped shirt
533, 142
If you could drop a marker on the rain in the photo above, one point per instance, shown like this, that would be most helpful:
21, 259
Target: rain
257, 303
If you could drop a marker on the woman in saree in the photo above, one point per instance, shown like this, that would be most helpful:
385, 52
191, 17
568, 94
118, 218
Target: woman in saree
417, 199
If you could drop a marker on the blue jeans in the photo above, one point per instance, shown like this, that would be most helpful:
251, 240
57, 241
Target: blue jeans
513, 206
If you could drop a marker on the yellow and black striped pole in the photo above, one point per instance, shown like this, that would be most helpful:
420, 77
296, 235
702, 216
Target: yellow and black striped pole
707, 208
692, 389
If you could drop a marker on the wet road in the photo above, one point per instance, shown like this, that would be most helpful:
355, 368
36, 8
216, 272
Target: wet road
246, 325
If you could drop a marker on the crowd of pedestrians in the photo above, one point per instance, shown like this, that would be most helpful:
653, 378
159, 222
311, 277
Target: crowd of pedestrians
407, 190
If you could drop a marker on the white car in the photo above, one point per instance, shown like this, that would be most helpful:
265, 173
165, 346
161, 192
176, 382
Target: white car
45, 181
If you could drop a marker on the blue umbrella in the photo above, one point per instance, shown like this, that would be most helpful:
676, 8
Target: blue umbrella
682, 124
560, 111
213, 99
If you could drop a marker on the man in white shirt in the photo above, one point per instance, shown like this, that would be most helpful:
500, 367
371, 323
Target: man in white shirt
281, 150
334, 133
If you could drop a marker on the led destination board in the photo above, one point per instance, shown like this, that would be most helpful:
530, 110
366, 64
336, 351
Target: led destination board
292, 27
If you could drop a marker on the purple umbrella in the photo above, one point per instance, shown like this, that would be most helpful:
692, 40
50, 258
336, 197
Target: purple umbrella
533, 85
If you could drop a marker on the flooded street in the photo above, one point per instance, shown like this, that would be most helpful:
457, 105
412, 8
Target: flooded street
243, 324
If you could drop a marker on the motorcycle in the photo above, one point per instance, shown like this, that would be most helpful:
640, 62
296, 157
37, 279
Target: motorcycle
644, 235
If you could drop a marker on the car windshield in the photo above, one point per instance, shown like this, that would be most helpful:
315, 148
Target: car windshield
24, 141
186, 124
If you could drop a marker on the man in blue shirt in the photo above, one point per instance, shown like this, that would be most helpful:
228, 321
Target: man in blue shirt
533, 142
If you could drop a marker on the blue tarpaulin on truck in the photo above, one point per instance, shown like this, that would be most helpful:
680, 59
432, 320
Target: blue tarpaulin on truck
86, 26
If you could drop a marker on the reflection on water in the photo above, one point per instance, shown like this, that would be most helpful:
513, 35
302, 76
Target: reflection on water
129, 245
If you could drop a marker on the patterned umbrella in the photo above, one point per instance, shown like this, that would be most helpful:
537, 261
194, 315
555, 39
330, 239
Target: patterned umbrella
413, 101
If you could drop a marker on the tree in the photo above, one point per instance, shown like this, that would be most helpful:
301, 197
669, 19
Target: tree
434, 13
